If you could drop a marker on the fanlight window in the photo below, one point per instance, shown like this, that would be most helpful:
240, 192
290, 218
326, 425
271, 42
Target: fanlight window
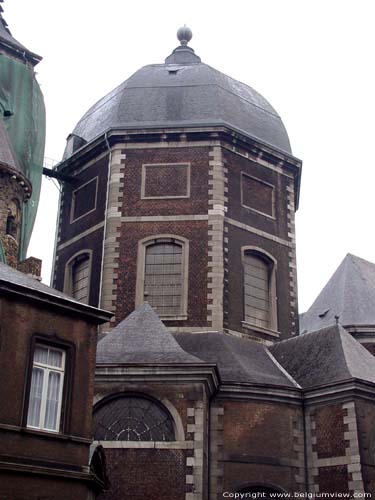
163, 277
132, 418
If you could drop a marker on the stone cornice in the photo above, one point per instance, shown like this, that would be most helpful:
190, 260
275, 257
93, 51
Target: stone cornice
172, 373
187, 137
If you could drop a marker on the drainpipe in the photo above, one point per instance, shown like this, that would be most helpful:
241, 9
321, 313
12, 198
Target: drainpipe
52, 278
105, 218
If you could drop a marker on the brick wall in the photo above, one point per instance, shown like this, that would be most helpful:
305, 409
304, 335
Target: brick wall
196, 233
138, 474
258, 446
329, 431
197, 203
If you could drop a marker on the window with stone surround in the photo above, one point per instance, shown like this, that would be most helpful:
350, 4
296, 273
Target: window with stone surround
167, 180
132, 418
46, 388
257, 195
77, 276
259, 290
162, 275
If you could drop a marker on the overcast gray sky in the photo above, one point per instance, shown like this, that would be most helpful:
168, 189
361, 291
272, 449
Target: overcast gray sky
313, 60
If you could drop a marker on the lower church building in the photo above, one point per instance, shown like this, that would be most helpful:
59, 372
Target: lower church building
177, 217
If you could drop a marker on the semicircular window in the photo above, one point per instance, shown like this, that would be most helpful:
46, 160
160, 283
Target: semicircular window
132, 418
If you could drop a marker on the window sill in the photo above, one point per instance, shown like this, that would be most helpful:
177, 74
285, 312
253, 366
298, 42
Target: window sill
53, 435
260, 329
174, 318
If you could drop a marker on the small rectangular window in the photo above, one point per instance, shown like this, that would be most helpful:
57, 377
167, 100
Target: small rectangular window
84, 199
46, 388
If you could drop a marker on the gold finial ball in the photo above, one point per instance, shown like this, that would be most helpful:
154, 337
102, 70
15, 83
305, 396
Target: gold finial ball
184, 34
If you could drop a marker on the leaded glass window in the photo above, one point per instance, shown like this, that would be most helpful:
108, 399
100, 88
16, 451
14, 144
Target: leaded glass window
132, 418
163, 277
257, 303
80, 278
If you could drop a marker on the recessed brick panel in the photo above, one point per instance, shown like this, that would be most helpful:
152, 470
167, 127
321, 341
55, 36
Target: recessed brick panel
333, 479
257, 195
197, 203
162, 181
330, 429
145, 474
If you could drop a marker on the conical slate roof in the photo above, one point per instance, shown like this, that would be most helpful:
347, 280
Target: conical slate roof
349, 294
184, 92
141, 338
327, 356
239, 360
7, 41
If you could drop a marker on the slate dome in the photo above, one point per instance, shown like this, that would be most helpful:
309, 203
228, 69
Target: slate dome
184, 92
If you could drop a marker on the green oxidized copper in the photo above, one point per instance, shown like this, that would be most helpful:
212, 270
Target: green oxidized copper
22, 109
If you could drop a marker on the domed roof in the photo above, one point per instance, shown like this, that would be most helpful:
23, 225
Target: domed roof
184, 92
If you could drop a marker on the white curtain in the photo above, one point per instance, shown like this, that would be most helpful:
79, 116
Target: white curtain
52, 403
35, 402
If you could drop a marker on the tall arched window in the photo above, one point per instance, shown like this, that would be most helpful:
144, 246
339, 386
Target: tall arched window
259, 292
132, 418
162, 275
77, 277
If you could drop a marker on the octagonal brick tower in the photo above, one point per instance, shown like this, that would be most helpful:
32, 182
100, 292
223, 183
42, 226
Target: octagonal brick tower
184, 192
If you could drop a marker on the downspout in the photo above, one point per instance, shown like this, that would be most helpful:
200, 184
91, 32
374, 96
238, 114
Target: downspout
105, 218
52, 278
305, 444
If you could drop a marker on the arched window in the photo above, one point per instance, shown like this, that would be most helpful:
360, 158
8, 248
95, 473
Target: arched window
77, 277
132, 418
259, 291
13, 223
162, 276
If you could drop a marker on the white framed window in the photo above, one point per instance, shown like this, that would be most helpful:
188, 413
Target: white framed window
46, 388
162, 276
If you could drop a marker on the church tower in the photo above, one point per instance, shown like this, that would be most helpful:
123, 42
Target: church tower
181, 192
22, 135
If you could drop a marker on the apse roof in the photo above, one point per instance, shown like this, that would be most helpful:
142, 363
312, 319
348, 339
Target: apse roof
327, 356
239, 360
184, 92
348, 295
142, 338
